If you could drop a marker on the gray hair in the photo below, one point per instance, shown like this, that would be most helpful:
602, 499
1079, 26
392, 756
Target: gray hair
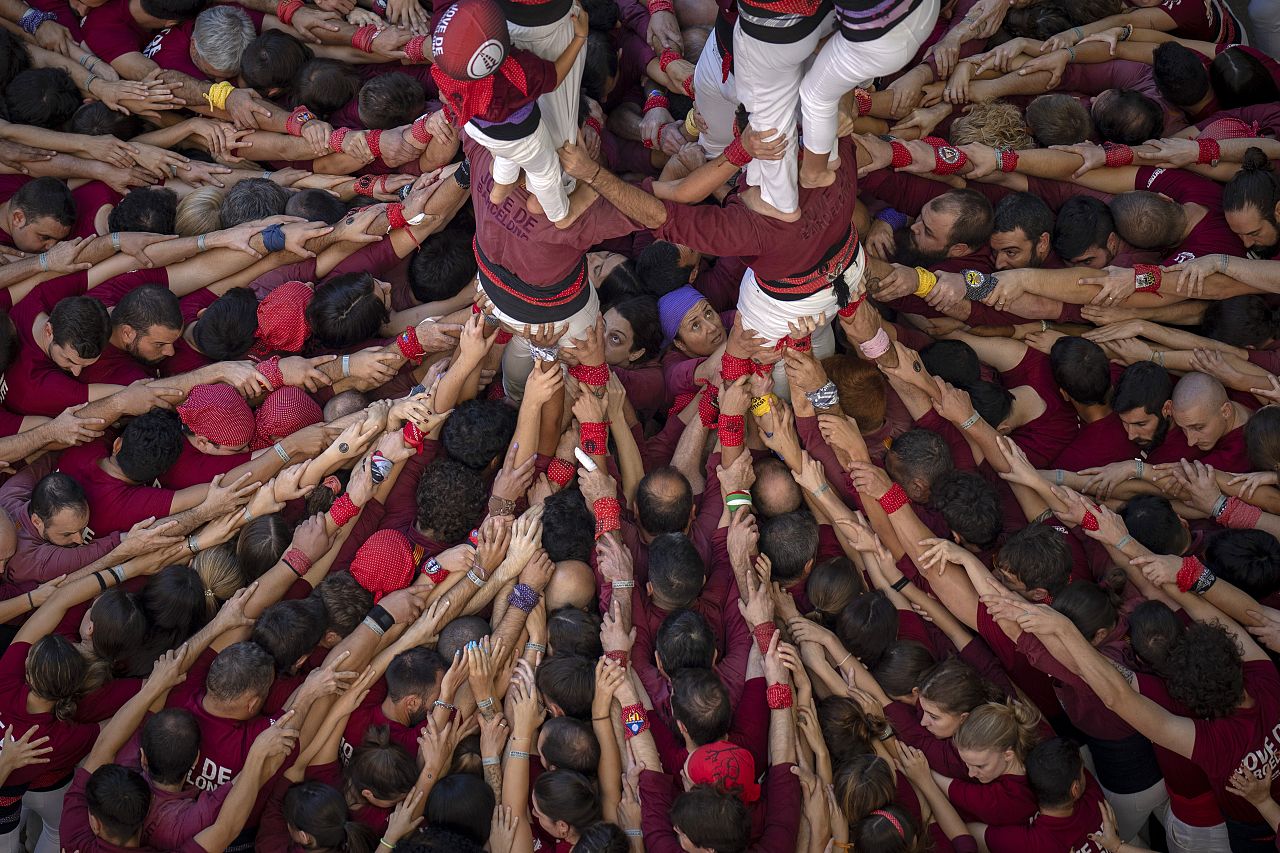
220, 36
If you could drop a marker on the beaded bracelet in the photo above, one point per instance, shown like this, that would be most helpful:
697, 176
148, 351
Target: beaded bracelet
373, 139
862, 98
893, 500
33, 18
763, 634
618, 656
524, 597
901, 155
335, 139
595, 438
409, 345
656, 101
1117, 155
1008, 159
343, 510
418, 130
415, 49
1210, 152
779, 697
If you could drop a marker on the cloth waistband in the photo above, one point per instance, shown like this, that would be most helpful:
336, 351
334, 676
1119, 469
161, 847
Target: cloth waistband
532, 303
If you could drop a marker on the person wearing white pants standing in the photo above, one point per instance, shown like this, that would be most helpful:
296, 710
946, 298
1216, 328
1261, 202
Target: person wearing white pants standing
873, 39
771, 43
716, 89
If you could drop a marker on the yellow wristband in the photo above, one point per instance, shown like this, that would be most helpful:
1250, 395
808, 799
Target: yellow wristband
761, 405
690, 125
926, 281
218, 94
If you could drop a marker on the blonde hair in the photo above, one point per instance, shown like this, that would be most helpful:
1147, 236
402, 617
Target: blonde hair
1000, 726
219, 571
997, 124
199, 212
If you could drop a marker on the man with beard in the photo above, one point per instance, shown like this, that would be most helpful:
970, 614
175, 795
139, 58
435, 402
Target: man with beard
1021, 233
144, 326
1250, 201
949, 235
1085, 236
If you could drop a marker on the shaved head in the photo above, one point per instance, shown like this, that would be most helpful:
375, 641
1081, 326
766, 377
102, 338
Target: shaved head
573, 584
1201, 408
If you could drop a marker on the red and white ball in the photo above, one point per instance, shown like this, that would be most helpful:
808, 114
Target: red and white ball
471, 40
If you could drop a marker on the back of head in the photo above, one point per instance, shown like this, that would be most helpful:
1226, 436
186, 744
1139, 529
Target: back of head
700, 702
97, 119
256, 198
567, 527
921, 454
847, 730
326, 85
173, 10
1058, 119
345, 601
390, 100
569, 743
383, 768
1053, 770
455, 635
1204, 671
242, 669
346, 309
790, 541
461, 803
832, 585
676, 570
664, 501
1146, 220
414, 671
970, 506
478, 432
659, 270
1037, 22
290, 630
272, 61
973, 216
572, 631
1240, 80
888, 830
1256, 186
1248, 559
149, 209
953, 361
863, 390
42, 97
569, 681
315, 205
433, 839
1082, 369
863, 784
144, 307
1083, 223
119, 798
996, 123
171, 742
442, 266
320, 810
684, 640
712, 818
1240, 321
55, 671
150, 445
119, 629
81, 323
261, 544
1039, 557
602, 838
1000, 726
867, 626
1127, 117
220, 36
451, 498
1090, 608
568, 796
1153, 628
902, 666
46, 197
199, 212
1262, 439
54, 493
990, 399
1023, 212
174, 602
1179, 74
14, 58
1154, 523
957, 687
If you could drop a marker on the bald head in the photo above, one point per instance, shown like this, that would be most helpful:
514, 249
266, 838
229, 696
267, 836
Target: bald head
1201, 409
573, 584
664, 502
775, 491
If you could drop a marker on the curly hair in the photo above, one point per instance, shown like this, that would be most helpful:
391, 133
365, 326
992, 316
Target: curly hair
1204, 671
451, 499
997, 124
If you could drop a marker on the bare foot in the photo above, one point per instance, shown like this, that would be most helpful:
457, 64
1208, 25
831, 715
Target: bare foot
499, 193
579, 200
816, 175
756, 203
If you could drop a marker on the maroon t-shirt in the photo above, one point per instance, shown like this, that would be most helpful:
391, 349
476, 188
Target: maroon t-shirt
1002, 801
772, 248
1246, 737
70, 741
177, 817
113, 504
370, 714
1211, 234
1045, 437
78, 835
1230, 453
1098, 443
1048, 834
91, 198
1203, 20
110, 30
115, 367
194, 468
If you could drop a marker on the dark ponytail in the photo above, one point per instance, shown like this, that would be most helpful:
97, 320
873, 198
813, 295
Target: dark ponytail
1255, 185
320, 810
55, 672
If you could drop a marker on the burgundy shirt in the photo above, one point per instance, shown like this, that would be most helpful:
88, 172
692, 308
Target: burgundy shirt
78, 835
70, 741
1211, 234
110, 30
1100, 442
1048, 834
1045, 437
113, 504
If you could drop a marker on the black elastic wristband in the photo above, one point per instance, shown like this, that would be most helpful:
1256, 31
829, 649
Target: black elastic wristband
463, 174
101, 583
901, 583
379, 614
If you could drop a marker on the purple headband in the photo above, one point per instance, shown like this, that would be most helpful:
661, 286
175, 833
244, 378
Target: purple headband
673, 307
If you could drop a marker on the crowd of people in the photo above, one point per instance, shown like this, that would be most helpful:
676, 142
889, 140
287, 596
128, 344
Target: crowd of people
787, 426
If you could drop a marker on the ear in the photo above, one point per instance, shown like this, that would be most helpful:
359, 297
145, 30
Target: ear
637, 354
129, 333
367, 794
679, 345
1042, 245
1113, 243
1227, 410
959, 250
1166, 411
37, 523
95, 825
116, 445
19, 217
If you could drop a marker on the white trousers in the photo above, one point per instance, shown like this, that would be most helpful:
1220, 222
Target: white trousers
715, 98
768, 77
1185, 838
842, 64
536, 155
1265, 16
46, 804
560, 107
517, 361
1132, 810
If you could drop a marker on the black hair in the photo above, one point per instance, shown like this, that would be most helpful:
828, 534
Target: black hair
1240, 80
714, 818
149, 305
149, 209
990, 399
1089, 607
970, 506
175, 607
432, 839
42, 97
952, 361
1154, 523
1204, 671
1248, 559
272, 61
684, 640
867, 626
14, 58
461, 803
1144, 385
922, 453
478, 432
676, 570
1153, 627
572, 631
171, 741
568, 796
902, 667
451, 498
46, 197
316, 205
97, 119
621, 283
252, 199
973, 215
1038, 22
442, 267
1083, 223
227, 329
659, 270
1256, 185
1128, 117
1023, 212
1241, 321
345, 601
700, 701
602, 838
790, 541
82, 323
1082, 369
120, 799
570, 682
320, 811
150, 445
641, 313
1053, 768
570, 743
119, 631
325, 85
600, 63
1038, 555
345, 311
567, 527
602, 15
414, 671
56, 492
1262, 439
290, 630
1179, 74
664, 501
390, 100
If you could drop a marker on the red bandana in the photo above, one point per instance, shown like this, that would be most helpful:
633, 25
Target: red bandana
725, 763
284, 412
282, 320
218, 413
384, 563
470, 98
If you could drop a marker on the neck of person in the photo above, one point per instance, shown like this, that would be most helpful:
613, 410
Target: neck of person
1091, 412
1027, 406
1193, 213
110, 466
391, 712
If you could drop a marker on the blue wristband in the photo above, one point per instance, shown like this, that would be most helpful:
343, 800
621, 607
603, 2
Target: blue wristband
273, 238
893, 218
32, 19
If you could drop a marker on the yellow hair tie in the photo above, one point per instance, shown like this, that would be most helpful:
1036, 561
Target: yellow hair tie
218, 94
926, 280
690, 125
